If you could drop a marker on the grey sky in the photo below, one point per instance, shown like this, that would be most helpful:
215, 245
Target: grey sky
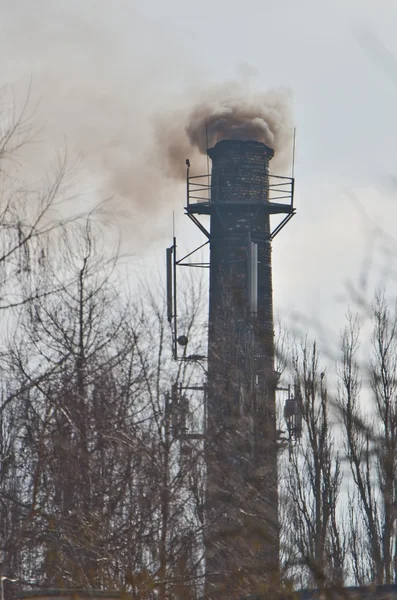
101, 70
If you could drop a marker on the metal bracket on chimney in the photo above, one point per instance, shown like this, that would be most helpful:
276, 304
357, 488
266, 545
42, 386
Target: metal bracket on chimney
281, 225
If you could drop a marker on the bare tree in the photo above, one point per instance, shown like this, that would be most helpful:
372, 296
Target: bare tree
371, 437
67, 342
312, 482
113, 457
29, 217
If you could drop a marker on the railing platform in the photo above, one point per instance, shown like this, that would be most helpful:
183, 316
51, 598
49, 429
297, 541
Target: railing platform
199, 200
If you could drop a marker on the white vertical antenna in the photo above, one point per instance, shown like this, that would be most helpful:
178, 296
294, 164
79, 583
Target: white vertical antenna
208, 164
293, 154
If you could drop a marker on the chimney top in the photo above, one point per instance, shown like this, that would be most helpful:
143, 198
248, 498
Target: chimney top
237, 146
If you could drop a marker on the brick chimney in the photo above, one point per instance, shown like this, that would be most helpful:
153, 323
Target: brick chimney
242, 504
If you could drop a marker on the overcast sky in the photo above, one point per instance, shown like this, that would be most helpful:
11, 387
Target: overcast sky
101, 70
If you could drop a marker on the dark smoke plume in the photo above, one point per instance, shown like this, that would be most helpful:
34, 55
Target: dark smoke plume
116, 109
228, 111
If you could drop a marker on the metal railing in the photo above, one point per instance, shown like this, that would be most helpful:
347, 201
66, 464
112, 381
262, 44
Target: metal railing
281, 189
199, 189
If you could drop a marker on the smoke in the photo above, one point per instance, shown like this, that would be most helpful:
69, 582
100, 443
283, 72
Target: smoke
228, 111
105, 82
97, 73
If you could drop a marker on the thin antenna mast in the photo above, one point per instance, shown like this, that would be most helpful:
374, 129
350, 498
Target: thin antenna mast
208, 163
293, 154
187, 161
